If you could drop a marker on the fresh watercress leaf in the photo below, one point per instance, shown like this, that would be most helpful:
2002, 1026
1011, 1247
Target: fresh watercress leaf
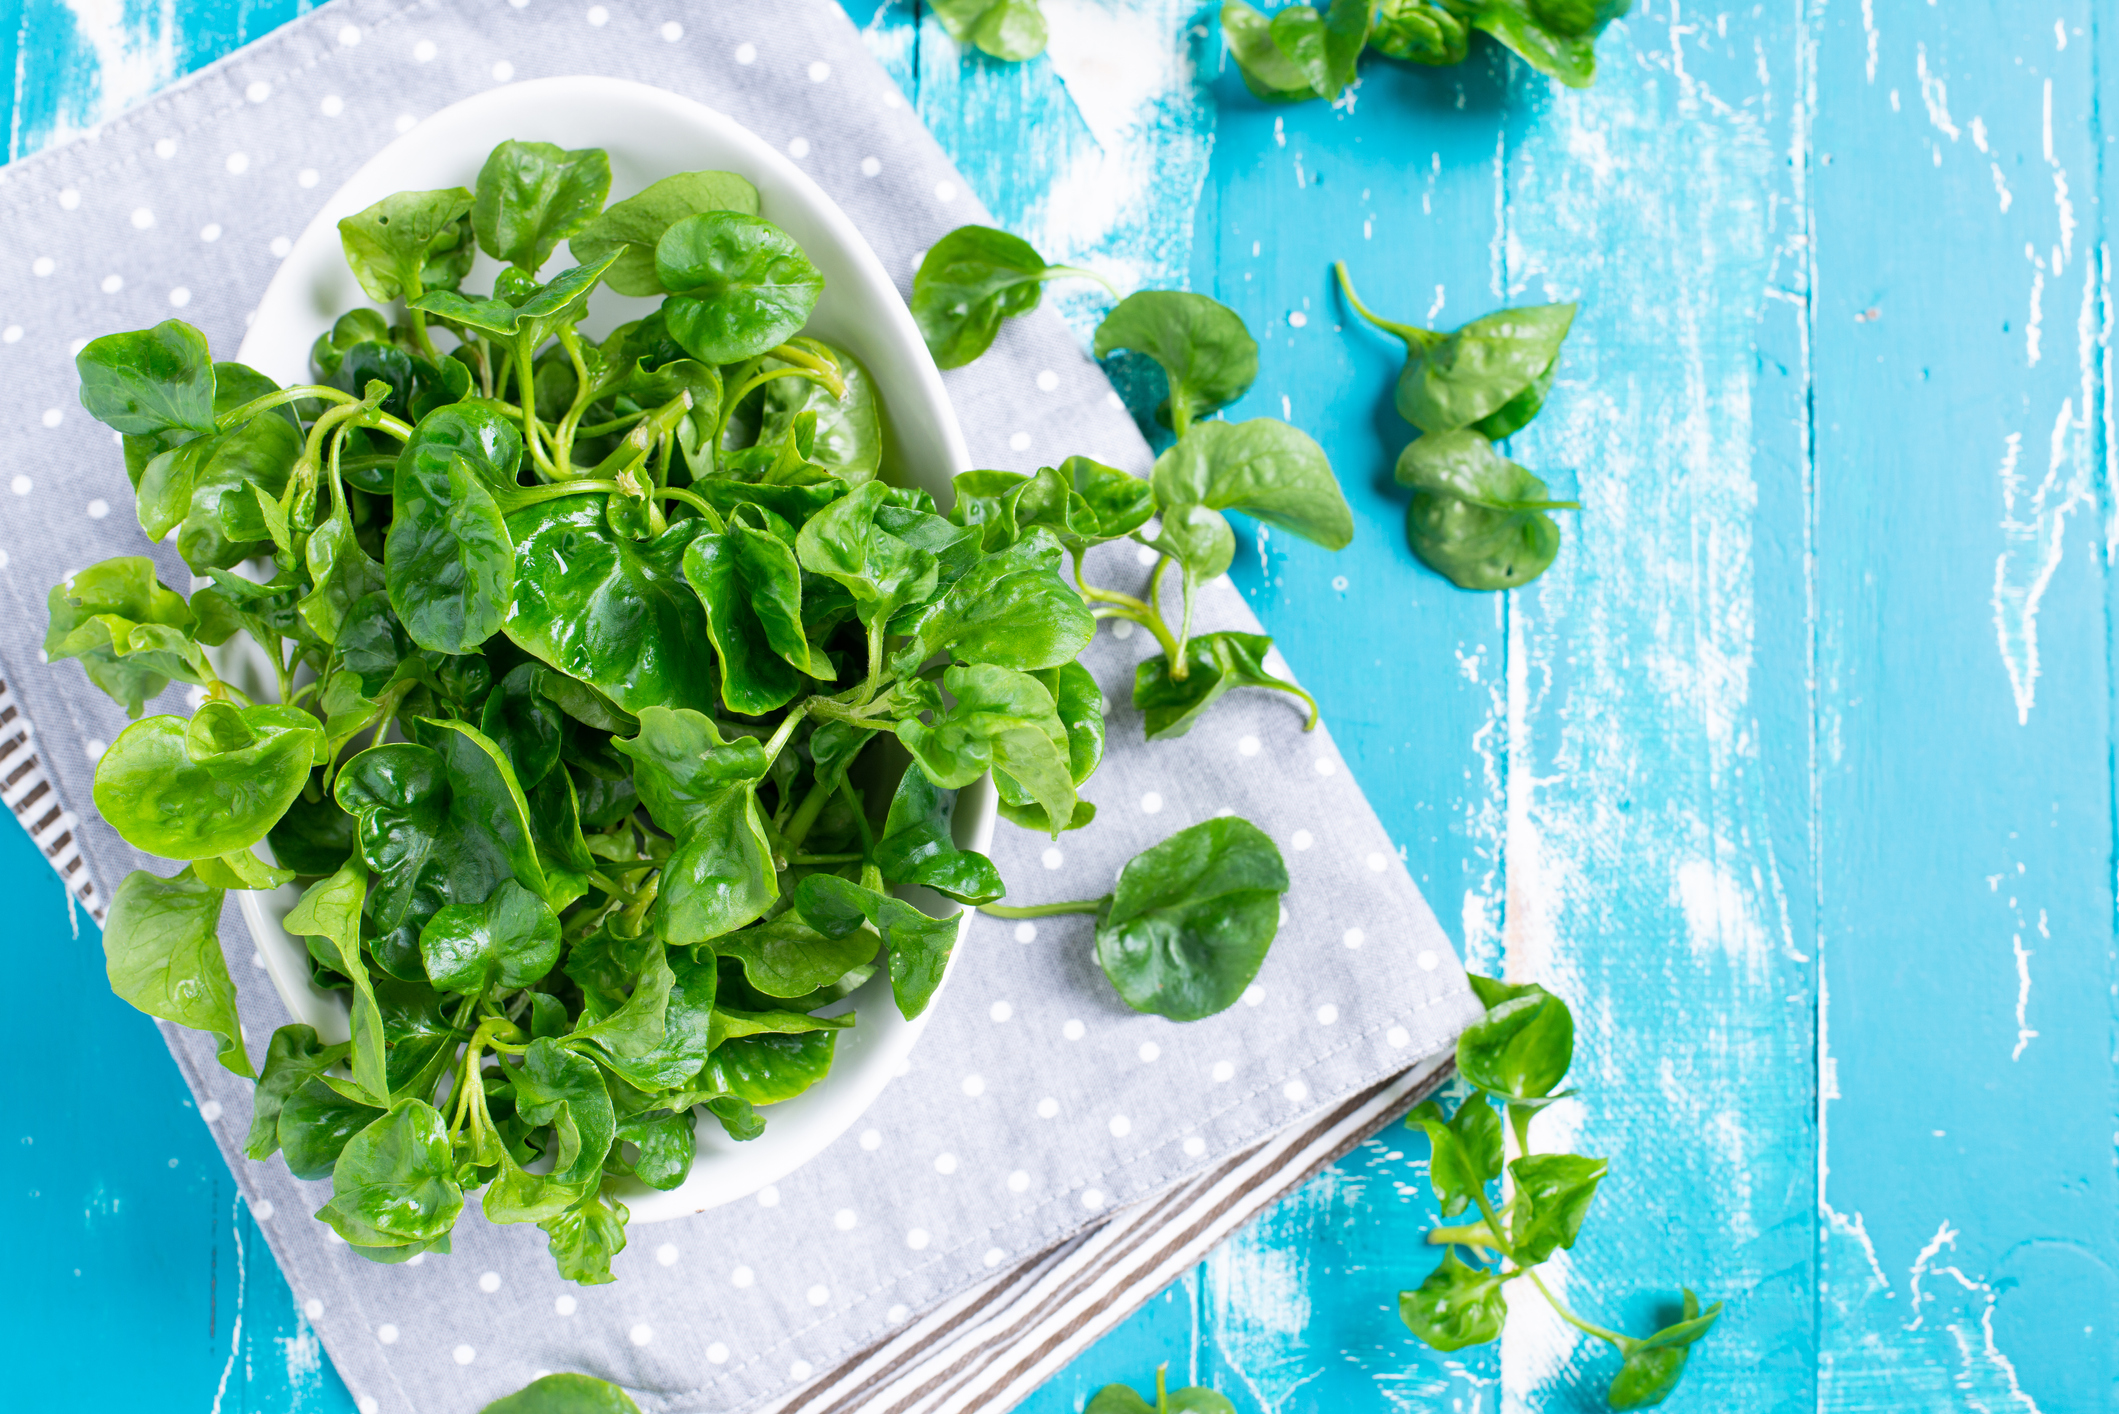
409, 243
731, 1025
1012, 609
557, 1087
293, 1058
1080, 705
340, 572
1268, 71
703, 789
687, 1024
667, 1143
917, 847
1555, 37
1002, 720
525, 723
313, 838
1219, 662
149, 382
1654, 1366
1496, 367
565, 1394
848, 437
1200, 344
1264, 468
1298, 53
784, 957
316, 1121
848, 542
585, 1237
351, 329
1476, 517
328, 914
162, 952
1553, 1193
1009, 30
532, 195
240, 869
449, 560
191, 790
1466, 1150
1522, 1047
919, 945
764, 1070
972, 279
393, 1183
1197, 1399
1420, 32
1190, 921
634, 227
738, 285
93, 615
511, 940
1457, 1306
751, 585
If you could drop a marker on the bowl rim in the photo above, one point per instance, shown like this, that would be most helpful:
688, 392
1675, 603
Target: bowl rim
871, 1053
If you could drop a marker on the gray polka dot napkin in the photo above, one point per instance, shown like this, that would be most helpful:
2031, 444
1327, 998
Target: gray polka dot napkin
1036, 1104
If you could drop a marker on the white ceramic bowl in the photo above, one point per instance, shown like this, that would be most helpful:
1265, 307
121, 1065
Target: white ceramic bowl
649, 134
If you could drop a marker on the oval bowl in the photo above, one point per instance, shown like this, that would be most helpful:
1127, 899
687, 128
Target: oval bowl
649, 133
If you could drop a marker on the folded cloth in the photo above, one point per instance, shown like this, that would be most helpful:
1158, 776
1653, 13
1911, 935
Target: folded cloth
1049, 1157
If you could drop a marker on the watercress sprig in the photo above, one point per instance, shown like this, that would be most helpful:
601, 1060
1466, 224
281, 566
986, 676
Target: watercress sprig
1008, 30
1195, 1399
1518, 1054
1302, 52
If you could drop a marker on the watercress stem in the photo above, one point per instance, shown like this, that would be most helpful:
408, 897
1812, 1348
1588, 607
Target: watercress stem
1619, 1342
236, 416
1413, 336
1046, 910
785, 732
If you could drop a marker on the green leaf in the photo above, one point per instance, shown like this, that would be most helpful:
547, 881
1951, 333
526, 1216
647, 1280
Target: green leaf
1268, 71
1201, 345
1118, 1399
703, 790
639, 1027
764, 1070
734, 1025
1553, 1193
738, 285
634, 227
1219, 662
1570, 58
686, 1024
1080, 705
215, 784
532, 195
1456, 1306
614, 613
972, 279
585, 1238
329, 914
1322, 48
1476, 517
1264, 468
149, 382
293, 1058
1013, 609
751, 585
240, 869
409, 243
527, 321
919, 946
1654, 1366
1466, 1150
1522, 1047
1001, 720
316, 1122
340, 572
1189, 924
314, 838
847, 543
92, 607
209, 490
565, 1394
162, 952
785, 957
449, 561
393, 1183
848, 439
1009, 30
1496, 365
917, 847
511, 940
667, 1144
1420, 32
559, 1088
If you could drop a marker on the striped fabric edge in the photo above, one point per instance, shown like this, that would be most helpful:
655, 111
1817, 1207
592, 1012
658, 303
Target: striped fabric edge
989, 1347
28, 791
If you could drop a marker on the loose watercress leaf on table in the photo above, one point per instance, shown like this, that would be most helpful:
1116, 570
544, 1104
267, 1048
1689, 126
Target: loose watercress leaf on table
1654, 1366
532, 195
972, 279
191, 790
329, 914
1476, 517
917, 848
565, 1394
703, 790
393, 1183
1466, 1150
1456, 1306
1264, 468
1555, 37
1553, 1194
1420, 32
149, 382
751, 584
162, 952
738, 285
1219, 662
586, 1236
293, 1058
410, 242
634, 227
1001, 720
1201, 344
919, 945
1496, 367
1524, 1044
511, 940
1323, 47
1197, 1399
1191, 919
91, 607
1009, 30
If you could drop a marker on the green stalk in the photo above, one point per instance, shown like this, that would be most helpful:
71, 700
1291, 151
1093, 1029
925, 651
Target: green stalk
242, 413
1414, 337
1619, 1342
1047, 910
532, 429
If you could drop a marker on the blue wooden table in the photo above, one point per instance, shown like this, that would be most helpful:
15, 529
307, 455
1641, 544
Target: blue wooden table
1795, 775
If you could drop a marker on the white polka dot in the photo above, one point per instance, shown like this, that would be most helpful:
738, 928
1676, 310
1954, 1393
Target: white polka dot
41, 266
313, 1309
113, 283
945, 1163
367, 1404
1327, 1014
211, 1109
1151, 803
165, 147
742, 1276
280, 246
332, 106
800, 1369
386, 1333
21, 486
892, 99
917, 1239
667, 1254
70, 198
640, 1334
672, 31
1352, 937
1052, 859
1047, 381
1427, 961
818, 1295
503, 71
945, 191
1398, 1037
798, 148
1018, 1181
1150, 1052
54, 416
768, 1197
1253, 995
464, 1354
1147, 555
994, 1256
1026, 932
844, 1219
718, 1353
1296, 319
1093, 1198
871, 166
1324, 766
179, 297
210, 232
871, 1139
1047, 1108
405, 123
262, 1210
1303, 839
1000, 1011
12, 334
746, 53
239, 162
335, 1240
258, 91
424, 50
1223, 1072
142, 218
974, 1085
1195, 1146
1120, 1126
489, 1283
349, 35
819, 71
1073, 1031
1378, 863
1295, 1090
1019, 441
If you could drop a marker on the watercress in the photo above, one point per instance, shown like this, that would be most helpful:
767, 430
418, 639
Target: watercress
1196, 1399
1515, 1057
1009, 30
1303, 52
972, 279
